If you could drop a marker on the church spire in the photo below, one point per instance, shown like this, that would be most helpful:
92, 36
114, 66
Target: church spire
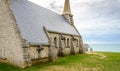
67, 9
67, 13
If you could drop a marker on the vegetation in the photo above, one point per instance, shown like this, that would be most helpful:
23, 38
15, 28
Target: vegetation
81, 62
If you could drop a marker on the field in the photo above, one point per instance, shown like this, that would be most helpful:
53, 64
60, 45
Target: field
95, 61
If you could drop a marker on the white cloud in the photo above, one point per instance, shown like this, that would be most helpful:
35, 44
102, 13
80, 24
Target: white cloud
91, 16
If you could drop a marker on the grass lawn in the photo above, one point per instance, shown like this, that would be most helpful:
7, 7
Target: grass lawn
81, 62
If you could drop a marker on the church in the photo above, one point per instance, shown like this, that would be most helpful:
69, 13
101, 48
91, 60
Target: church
30, 33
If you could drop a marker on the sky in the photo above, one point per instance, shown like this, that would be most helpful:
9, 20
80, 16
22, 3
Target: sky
98, 21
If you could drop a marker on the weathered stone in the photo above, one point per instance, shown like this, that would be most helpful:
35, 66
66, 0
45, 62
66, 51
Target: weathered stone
16, 50
52, 52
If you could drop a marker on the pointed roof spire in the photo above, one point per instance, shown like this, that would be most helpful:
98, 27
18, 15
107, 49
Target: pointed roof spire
67, 9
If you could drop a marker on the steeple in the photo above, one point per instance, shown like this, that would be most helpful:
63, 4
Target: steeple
67, 9
67, 12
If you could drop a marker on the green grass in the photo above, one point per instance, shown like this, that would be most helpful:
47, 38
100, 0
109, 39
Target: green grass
80, 62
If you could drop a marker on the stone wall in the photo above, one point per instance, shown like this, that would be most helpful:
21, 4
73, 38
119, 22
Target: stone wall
10, 40
16, 51
36, 54
71, 42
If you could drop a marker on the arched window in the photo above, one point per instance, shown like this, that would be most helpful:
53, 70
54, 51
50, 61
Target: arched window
55, 41
65, 41
68, 42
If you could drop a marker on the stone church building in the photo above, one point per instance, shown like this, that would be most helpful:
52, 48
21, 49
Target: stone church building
30, 33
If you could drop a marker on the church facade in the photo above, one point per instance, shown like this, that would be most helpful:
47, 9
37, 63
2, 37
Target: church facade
30, 33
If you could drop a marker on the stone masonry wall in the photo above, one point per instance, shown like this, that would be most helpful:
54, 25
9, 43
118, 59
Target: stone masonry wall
76, 44
10, 39
38, 55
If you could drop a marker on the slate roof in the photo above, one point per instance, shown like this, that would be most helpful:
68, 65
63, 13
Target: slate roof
31, 18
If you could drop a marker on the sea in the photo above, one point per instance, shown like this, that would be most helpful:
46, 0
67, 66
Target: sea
105, 47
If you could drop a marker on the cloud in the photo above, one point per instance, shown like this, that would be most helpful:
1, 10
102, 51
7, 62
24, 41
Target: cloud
93, 18
99, 19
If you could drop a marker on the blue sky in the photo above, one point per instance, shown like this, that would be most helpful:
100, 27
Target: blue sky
98, 21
